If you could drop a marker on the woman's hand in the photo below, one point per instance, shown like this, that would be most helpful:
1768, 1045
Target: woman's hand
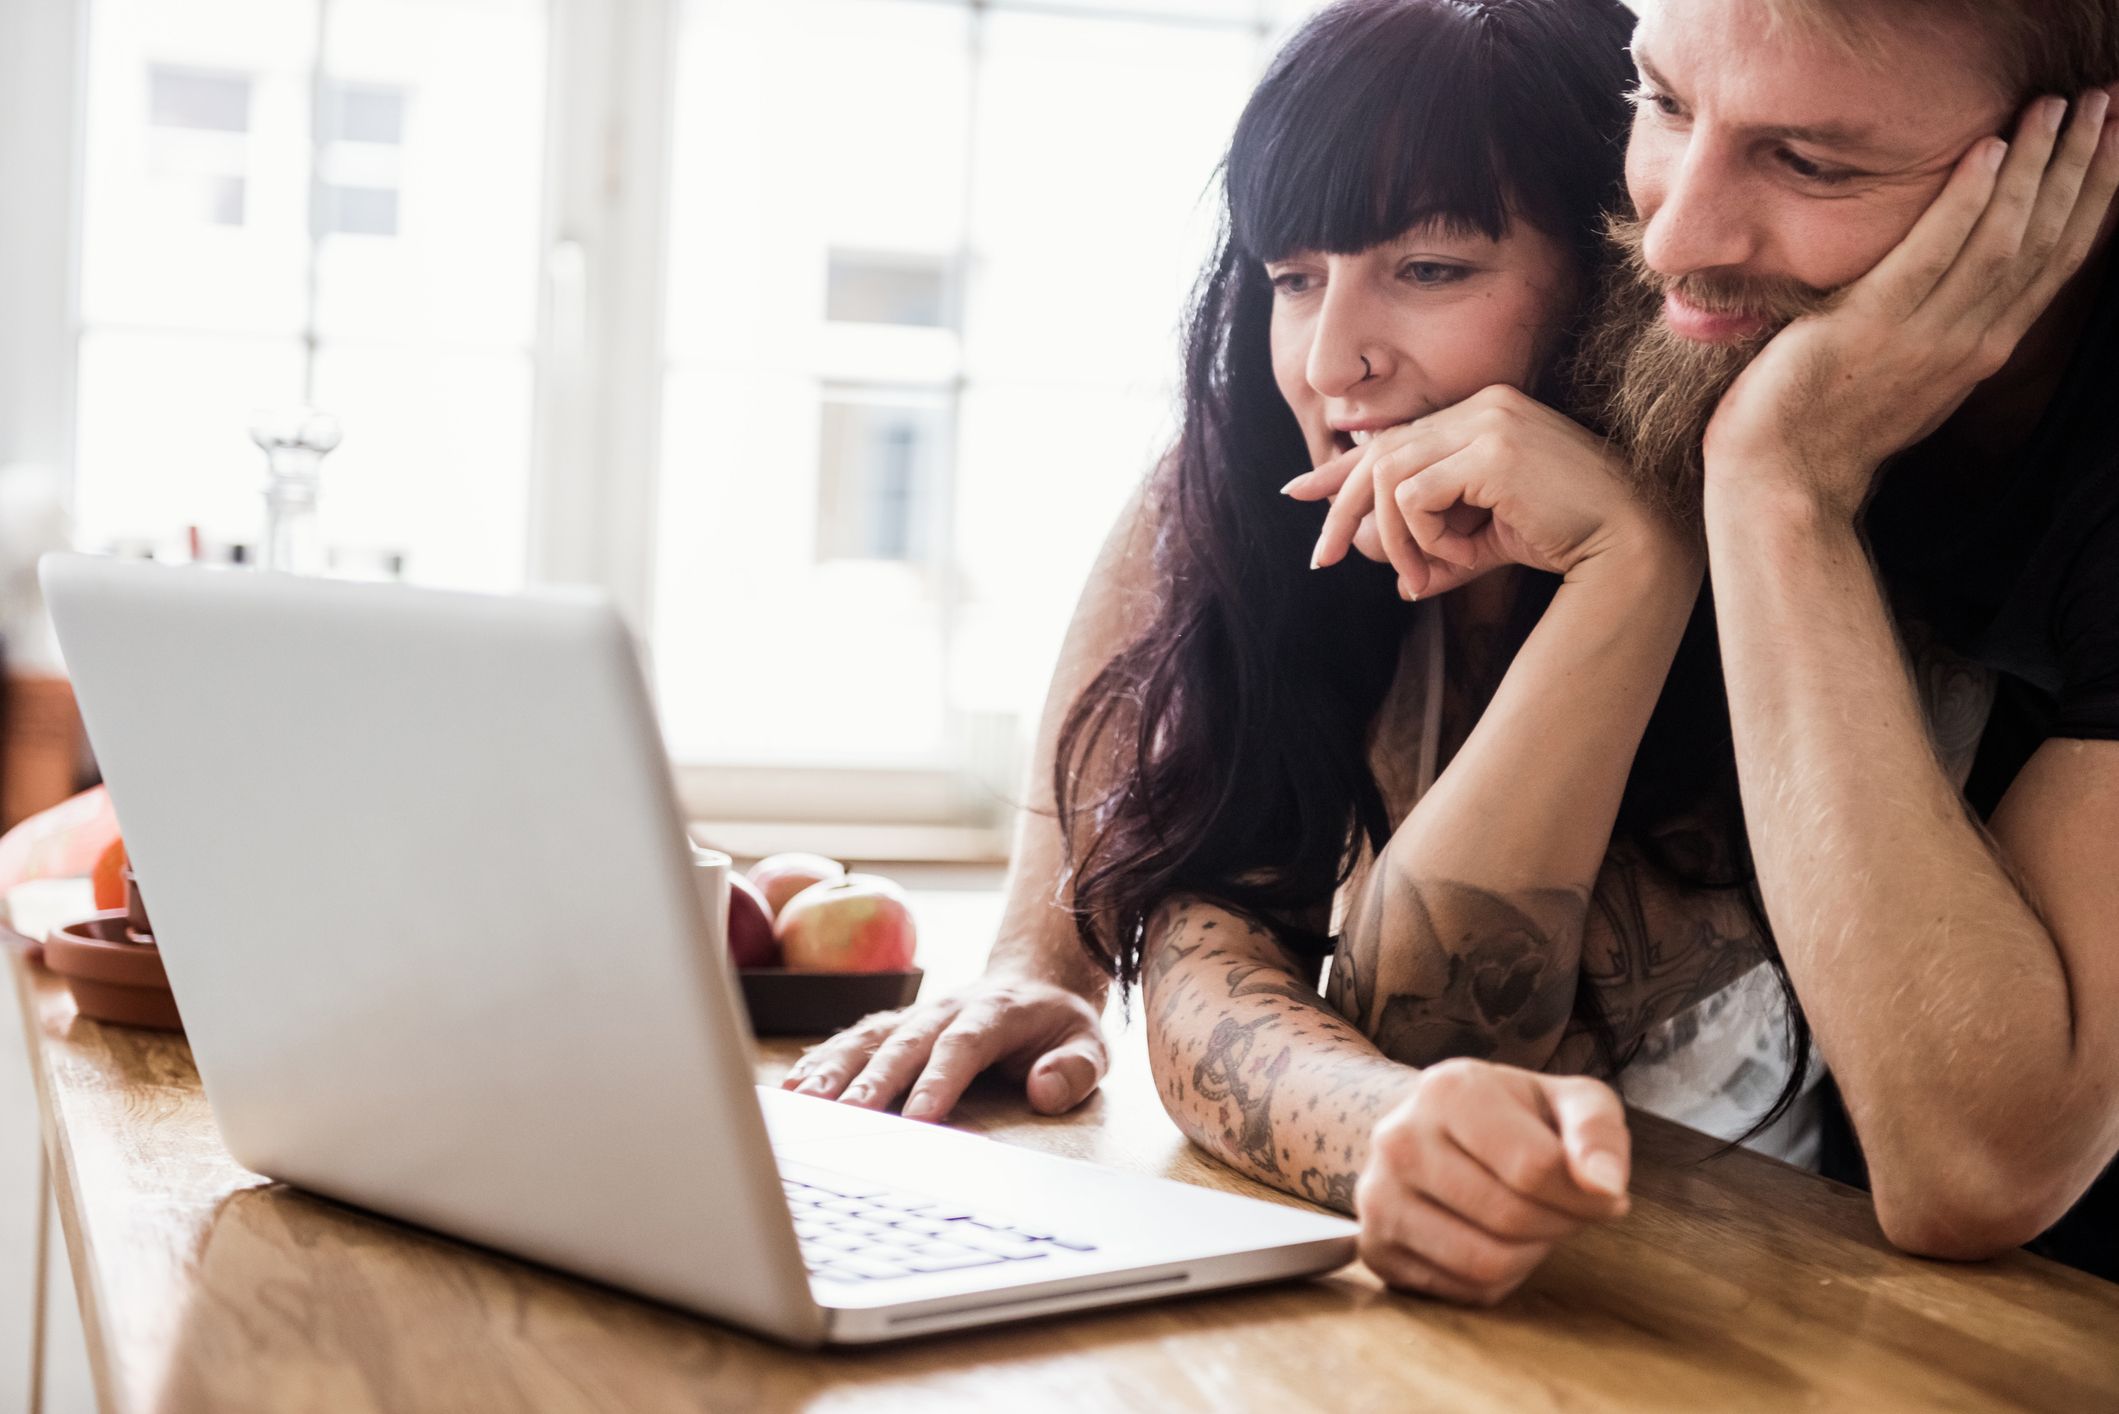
1474, 1179
1048, 1036
1834, 394
1497, 479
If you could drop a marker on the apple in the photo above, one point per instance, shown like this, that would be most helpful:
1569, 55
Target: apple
750, 925
782, 876
854, 923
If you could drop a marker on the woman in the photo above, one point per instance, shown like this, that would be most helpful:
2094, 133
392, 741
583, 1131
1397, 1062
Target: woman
1292, 761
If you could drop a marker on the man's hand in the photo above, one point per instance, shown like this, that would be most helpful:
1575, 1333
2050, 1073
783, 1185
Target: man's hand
1473, 1180
1834, 394
1048, 1036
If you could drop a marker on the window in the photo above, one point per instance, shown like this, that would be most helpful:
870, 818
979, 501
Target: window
1007, 206
359, 158
879, 457
828, 334
868, 287
198, 144
335, 201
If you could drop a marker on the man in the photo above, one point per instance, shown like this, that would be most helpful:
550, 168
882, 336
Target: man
1941, 383
1963, 982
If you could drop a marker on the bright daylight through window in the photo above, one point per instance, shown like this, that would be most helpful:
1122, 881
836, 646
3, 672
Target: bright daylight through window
915, 310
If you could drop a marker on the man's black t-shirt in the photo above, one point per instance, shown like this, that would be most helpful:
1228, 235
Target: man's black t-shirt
2016, 567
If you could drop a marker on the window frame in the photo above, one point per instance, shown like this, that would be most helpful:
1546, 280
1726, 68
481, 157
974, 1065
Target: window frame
599, 355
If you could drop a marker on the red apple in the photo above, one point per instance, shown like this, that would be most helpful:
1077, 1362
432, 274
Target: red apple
854, 923
782, 876
750, 925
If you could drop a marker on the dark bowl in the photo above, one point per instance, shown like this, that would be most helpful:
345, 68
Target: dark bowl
784, 1002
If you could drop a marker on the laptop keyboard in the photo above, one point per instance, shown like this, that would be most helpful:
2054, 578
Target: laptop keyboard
853, 1231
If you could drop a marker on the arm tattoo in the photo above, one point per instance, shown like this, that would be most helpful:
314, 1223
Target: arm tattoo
1654, 947
1237, 1033
1473, 972
1334, 1190
1221, 1076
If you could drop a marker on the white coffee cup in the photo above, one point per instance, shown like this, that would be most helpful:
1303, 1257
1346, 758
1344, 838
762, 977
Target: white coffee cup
710, 871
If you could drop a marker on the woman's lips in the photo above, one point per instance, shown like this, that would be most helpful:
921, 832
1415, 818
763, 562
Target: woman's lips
1689, 321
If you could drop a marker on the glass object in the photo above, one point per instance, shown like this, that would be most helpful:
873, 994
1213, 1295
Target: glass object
295, 441
162, 423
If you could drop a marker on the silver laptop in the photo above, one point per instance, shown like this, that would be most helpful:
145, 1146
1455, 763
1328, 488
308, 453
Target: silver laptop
418, 874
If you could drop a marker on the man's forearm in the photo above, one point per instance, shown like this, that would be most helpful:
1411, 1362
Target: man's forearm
1467, 938
1252, 1064
1938, 997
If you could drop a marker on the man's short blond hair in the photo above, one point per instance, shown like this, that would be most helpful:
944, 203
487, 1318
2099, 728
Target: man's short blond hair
2036, 46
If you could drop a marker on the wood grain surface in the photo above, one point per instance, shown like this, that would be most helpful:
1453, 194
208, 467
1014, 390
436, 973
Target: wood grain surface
1737, 1283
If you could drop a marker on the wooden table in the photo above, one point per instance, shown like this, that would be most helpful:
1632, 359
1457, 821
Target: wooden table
1736, 1283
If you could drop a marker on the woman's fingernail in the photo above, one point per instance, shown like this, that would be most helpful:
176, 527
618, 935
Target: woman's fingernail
1405, 591
1055, 1087
1603, 1172
810, 1086
1316, 554
1291, 485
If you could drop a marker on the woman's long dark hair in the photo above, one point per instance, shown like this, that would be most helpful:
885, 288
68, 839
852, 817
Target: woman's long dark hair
1236, 723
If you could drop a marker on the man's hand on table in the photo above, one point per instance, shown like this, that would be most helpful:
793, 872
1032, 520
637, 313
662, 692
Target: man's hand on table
1049, 1036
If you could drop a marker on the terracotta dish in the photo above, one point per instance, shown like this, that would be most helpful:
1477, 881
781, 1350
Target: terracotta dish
112, 978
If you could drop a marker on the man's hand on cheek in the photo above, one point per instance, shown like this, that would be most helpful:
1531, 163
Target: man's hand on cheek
1835, 394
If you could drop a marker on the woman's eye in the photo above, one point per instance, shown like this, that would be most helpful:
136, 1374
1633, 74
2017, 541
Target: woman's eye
1291, 282
1432, 272
1642, 96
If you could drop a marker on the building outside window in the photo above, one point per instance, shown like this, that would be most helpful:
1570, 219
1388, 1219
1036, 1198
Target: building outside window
831, 334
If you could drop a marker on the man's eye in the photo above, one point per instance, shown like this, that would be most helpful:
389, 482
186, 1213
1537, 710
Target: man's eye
1812, 172
1432, 272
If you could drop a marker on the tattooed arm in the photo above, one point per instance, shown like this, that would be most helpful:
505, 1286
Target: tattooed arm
1465, 1175
1252, 1064
1467, 938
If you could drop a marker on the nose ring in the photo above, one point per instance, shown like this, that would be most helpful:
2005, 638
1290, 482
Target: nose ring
1366, 371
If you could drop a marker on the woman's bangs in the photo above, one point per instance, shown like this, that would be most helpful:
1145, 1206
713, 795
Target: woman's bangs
1354, 138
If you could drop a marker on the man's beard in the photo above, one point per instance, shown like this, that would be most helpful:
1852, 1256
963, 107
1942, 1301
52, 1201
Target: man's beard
1653, 390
